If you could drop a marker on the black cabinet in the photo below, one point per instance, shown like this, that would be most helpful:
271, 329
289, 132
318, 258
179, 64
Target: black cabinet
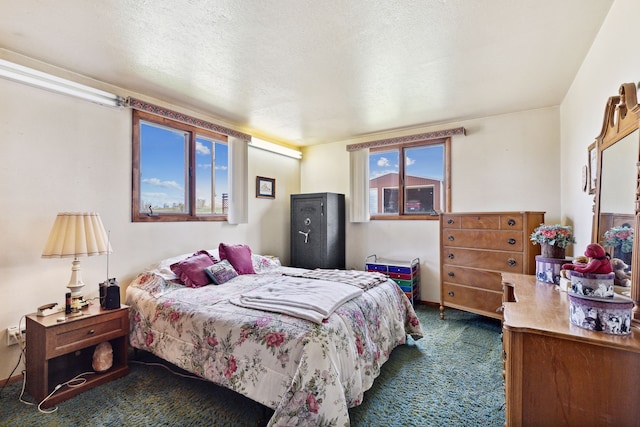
317, 230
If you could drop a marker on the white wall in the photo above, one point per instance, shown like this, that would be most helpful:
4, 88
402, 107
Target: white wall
63, 154
612, 60
504, 163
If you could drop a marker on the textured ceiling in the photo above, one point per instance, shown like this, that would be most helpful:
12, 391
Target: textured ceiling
306, 71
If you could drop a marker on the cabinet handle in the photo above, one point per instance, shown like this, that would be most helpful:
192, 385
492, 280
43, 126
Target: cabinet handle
451, 274
511, 222
91, 332
451, 238
511, 262
450, 256
450, 221
512, 241
451, 293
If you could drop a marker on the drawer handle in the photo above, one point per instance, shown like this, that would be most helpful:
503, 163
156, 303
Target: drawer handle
451, 293
512, 241
451, 238
511, 262
451, 256
450, 221
451, 274
91, 332
511, 222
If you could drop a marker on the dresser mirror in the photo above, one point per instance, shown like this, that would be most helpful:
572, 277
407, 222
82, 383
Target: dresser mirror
616, 199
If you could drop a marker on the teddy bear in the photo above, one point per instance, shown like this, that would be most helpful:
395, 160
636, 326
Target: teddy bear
580, 260
598, 261
623, 277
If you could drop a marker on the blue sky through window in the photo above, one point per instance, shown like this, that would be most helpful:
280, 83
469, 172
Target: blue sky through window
164, 165
424, 162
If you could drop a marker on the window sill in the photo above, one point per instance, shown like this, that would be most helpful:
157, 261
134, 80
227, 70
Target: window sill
404, 217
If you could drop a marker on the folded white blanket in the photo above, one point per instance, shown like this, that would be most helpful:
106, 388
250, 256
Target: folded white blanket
365, 280
309, 299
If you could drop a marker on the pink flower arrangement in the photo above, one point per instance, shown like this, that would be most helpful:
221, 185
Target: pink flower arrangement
555, 235
619, 237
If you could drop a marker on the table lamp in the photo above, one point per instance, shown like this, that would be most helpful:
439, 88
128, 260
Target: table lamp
73, 235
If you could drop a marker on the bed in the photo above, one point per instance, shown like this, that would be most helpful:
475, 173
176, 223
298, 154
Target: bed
309, 372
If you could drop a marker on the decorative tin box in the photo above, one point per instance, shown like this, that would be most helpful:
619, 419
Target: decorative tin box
548, 269
608, 315
592, 285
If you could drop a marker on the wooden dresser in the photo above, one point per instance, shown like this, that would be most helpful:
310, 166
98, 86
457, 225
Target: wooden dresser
475, 247
558, 374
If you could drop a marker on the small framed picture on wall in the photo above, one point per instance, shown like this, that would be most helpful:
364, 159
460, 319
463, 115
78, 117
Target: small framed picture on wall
265, 187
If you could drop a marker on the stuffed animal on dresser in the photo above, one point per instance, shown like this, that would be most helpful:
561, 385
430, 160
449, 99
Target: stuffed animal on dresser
623, 277
598, 261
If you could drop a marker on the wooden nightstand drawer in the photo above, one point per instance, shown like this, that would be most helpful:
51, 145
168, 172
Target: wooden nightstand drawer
84, 333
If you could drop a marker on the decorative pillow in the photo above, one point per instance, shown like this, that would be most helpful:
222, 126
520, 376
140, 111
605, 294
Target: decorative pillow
221, 272
239, 256
264, 263
191, 270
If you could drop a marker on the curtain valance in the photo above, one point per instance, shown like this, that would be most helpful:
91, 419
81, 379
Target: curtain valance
184, 118
409, 138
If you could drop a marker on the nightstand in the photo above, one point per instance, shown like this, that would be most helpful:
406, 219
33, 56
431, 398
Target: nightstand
58, 351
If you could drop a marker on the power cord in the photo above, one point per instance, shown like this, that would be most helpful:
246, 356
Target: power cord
193, 377
76, 381
18, 336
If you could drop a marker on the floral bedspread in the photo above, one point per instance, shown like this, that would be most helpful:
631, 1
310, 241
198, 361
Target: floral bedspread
310, 374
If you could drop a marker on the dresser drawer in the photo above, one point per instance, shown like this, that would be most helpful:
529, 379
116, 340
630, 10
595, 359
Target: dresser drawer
482, 279
505, 221
86, 332
472, 299
511, 222
480, 221
511, 262
450, 221
497, 239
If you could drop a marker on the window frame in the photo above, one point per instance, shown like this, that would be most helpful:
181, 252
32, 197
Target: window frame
194, 132
402, 147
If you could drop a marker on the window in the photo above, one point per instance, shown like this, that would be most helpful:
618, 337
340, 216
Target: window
410, 180
179, 171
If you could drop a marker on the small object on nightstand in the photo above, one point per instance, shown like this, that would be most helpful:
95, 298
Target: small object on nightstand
48, 309
67, 301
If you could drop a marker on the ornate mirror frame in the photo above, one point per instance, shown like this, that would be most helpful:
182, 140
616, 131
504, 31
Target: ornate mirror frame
621, 118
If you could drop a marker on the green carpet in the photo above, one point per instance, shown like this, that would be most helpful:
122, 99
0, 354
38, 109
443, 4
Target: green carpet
451, 377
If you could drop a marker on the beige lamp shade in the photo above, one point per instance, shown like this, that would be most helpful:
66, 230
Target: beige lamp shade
73, 235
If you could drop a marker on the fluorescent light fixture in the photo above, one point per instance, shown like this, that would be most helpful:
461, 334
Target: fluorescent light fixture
26, 75
274, 148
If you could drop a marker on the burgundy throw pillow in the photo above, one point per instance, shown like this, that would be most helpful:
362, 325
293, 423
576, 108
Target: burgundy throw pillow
191, 270
239, 256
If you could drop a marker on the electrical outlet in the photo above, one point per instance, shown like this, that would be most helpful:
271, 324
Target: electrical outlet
11, 332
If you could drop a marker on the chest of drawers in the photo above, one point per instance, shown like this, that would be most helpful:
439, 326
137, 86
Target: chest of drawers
475, 248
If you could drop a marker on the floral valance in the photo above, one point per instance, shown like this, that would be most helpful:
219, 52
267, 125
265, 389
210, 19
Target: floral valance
409, 138
184, 118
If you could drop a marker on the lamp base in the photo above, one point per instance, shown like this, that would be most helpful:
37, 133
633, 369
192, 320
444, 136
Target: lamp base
75, 286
